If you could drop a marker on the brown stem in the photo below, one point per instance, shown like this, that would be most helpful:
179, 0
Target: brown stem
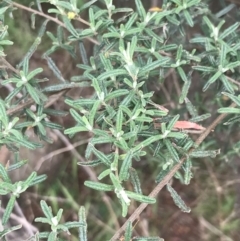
52, 99
169, 176
52, 18
9, 66
82, 20
39, 13
233, 81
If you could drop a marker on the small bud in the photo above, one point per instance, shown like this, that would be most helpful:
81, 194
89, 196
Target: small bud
71, 15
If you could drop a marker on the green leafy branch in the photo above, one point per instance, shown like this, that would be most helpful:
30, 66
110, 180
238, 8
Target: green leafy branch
169, 176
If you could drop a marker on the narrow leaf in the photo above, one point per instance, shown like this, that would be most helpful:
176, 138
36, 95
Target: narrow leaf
102, 157
82, 228
229, 110
128, 232
99, 186
8, 210
126, 165
54, 68
141, 198
135, 180
177, 200
154, 65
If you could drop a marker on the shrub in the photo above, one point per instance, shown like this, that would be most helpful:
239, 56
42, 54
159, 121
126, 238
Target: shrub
130, 52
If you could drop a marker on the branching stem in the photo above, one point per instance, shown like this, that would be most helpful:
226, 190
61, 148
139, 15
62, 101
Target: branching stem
52, 99
57, 21
169, 176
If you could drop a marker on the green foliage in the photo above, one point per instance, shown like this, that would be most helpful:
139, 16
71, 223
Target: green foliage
15, 189
53, 221
128, 53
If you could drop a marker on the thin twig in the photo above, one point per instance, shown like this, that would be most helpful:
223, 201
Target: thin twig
176, 84
59, 151
19, 212
82, 20
8, 65
52, 99
228, 219
23, 221
91, 174
39, 13
10, 89
67, 143
233, 81
52, 18
48, 198
167, 95
213, 229
232, 182
20, 107
169, 176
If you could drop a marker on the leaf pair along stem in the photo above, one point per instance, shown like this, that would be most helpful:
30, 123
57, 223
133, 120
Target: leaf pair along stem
169, 176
